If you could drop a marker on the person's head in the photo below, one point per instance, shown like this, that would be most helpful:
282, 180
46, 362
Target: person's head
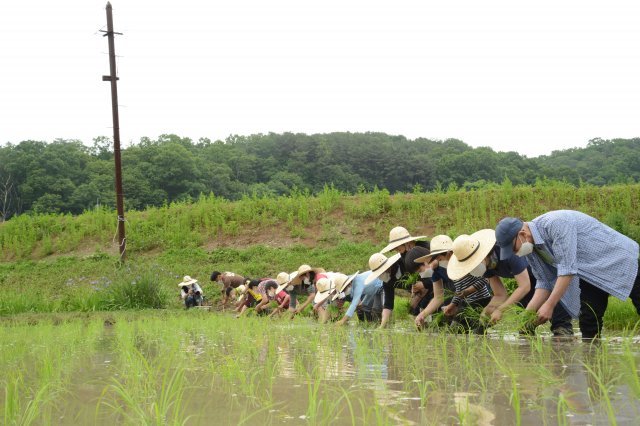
343, 285
514, 238
441, 246
216, 276
253, 284
400, 240
469, 254
271, 289
380, 266
410, 265
185, 288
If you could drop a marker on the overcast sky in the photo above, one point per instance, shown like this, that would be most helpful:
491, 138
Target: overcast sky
531, 77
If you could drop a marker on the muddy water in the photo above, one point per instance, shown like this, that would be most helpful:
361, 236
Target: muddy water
303, 373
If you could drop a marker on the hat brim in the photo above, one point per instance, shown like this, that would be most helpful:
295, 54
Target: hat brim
321, 297
457, 269
296, 280
282, 287
424, 259
183, 283
398, 243
381, 269
344, 285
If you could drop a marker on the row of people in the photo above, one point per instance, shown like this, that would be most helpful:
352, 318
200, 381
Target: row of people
565, 264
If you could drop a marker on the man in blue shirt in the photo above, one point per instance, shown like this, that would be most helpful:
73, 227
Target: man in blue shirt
577, 261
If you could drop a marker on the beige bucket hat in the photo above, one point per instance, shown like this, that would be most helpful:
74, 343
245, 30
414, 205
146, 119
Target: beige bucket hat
469, 251
303, 269
284, 279
379, 263
439, 244
187, 280
342, 281
399, 236
324, 288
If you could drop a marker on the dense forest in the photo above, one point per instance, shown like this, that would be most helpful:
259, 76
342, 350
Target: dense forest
69, 176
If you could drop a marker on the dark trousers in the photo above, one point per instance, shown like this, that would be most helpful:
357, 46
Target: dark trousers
389, 294
193, 300
560, 317
593, 304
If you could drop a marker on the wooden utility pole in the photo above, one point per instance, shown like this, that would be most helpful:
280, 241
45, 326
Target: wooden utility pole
113, 78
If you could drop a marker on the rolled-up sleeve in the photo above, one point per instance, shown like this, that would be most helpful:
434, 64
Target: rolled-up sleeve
355, 301
564, 234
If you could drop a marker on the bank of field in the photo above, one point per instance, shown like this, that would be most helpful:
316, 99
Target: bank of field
56, 263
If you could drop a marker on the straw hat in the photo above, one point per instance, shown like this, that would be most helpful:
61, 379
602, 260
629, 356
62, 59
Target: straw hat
399, 236
469, 251
342, 281
379, 263
283, 279
187, 280
439, 244
303, 269
324, 288
242, 289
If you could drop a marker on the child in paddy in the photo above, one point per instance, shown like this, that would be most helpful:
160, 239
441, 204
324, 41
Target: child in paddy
251, 299
281, 297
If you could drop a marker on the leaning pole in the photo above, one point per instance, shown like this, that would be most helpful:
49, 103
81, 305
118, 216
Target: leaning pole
113, 78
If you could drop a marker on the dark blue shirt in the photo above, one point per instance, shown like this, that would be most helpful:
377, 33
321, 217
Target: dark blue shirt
440, 273
507, 268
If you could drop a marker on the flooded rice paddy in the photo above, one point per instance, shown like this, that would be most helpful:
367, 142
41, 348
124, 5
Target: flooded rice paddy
200, 369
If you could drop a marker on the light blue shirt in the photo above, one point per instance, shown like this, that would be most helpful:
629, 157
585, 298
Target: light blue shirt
358, 290
581, 246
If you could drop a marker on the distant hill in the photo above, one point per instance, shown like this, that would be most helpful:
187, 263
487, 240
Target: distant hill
68, 176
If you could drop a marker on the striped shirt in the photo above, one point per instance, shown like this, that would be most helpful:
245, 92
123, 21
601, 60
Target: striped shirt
480, 284
262, 287
569, 242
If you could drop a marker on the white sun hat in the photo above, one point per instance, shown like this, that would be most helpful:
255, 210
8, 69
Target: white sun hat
241, 290
342, 281
303, 269
379, 263
439, 244
284, 279
399, 236
469, 251
187, 280
324, 288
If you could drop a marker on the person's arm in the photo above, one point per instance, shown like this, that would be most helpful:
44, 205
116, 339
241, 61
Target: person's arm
263, 302
545, 312
355, 301
305, 304
285, 302
434, 304
524, 286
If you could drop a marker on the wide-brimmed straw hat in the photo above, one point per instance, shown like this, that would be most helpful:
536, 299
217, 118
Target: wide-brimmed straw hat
287, 280
469, 251
324, 288
303, 269
379, 263
187, 280
342, 281
399, 236
439, 244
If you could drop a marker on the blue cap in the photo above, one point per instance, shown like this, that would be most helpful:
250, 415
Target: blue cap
506, 232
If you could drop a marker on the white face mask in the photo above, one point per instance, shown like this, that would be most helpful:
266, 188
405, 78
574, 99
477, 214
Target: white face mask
427, 273
290, 288
272, 295
479, 270
307, 281
525, 249
347, 291
385, 277
341, 296
443, 263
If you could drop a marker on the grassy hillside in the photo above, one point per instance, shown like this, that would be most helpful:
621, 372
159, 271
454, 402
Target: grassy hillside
62, 262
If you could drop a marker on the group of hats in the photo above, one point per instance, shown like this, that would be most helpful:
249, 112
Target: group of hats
333, 284
468, 252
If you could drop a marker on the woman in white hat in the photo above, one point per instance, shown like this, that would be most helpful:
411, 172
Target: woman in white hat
366, 300
479, 255
304, 283
401, 241
325, 287
190, 292
382, 267
470, 291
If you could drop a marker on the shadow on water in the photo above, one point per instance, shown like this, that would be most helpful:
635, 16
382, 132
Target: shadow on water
217, 370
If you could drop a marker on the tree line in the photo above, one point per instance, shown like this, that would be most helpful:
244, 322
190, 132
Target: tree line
69, 176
